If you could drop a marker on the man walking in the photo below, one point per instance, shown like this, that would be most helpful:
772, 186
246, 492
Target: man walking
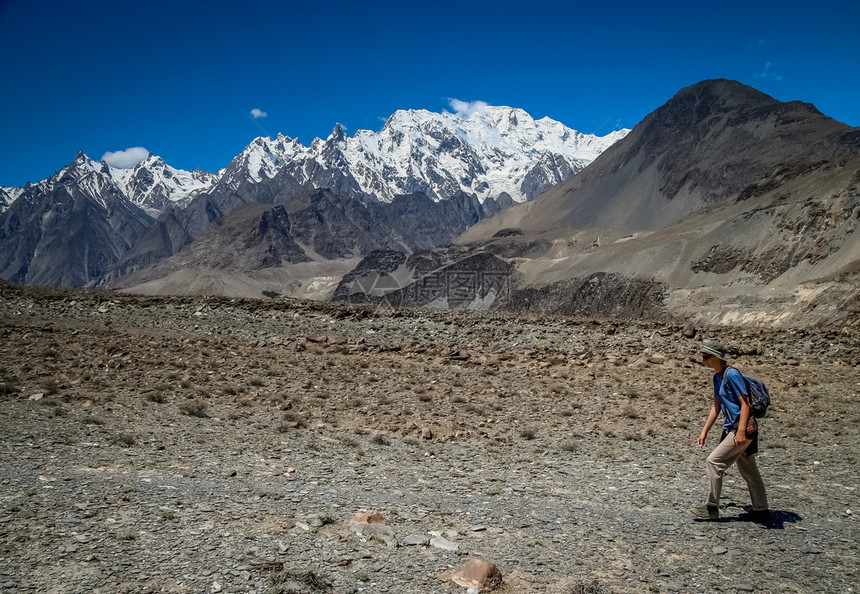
739, 440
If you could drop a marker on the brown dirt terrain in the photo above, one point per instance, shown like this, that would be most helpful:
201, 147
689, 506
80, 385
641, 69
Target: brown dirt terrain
210, 444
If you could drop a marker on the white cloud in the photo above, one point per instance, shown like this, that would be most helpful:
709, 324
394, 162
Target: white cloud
769, 73
125, 159
258, 113
466, 108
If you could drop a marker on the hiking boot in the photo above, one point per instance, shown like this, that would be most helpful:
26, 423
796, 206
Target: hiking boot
706, 513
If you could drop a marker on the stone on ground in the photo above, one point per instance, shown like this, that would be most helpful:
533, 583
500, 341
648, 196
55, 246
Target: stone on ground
479, 574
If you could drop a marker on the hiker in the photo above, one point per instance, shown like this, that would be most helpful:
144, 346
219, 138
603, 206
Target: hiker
739, 440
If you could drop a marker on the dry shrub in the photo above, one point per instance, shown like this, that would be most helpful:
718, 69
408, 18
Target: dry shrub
194, 408
631, 412
586, 588
474, 408
292, 420
8, 383
287, 581
125, 440
159, 397
380, 439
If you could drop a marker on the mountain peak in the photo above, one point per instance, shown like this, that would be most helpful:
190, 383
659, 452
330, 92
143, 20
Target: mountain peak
338, 134
711, 141
696, 109
698, 102
494, 151
151, 161
82, 164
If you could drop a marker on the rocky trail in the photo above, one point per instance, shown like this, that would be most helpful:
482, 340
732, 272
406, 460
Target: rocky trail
220, 445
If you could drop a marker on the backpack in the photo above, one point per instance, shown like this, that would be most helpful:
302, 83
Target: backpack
758, 395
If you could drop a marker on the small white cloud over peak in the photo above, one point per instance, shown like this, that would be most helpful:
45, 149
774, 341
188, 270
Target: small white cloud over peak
769, 73
125, 159
258, 113
464, 109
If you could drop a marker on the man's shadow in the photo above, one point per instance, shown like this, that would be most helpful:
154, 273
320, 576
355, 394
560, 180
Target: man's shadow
774, 519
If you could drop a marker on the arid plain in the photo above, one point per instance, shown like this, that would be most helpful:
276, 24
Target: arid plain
157, 444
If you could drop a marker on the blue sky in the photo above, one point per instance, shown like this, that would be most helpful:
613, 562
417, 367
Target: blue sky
182, 78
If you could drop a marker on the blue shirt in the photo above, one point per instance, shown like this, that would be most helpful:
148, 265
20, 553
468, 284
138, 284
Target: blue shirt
728, 395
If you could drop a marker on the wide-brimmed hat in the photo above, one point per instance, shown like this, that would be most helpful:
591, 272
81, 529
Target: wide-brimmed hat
714, 348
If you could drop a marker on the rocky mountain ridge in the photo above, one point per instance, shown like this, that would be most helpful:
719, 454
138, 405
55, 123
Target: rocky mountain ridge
70, 229
724, 205
713, 142
362, 192
151, 185
327, 233
493, 151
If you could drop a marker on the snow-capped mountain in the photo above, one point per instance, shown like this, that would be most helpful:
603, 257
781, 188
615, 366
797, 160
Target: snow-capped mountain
420, 181
83, 175
7, 196
493, 151
153, 184
69, 229
755, 226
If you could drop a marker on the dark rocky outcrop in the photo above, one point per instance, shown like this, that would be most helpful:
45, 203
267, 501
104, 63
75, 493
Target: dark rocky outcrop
456, 279
599, 295
377, 265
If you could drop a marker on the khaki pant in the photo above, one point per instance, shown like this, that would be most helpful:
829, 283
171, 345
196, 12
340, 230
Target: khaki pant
726, 454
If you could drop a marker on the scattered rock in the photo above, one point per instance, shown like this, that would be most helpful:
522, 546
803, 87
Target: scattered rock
380, 532
551, 470
478, 573
416, 539
368, 517
440, 542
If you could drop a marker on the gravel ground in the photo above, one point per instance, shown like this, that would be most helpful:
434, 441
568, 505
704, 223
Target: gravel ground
217, 445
